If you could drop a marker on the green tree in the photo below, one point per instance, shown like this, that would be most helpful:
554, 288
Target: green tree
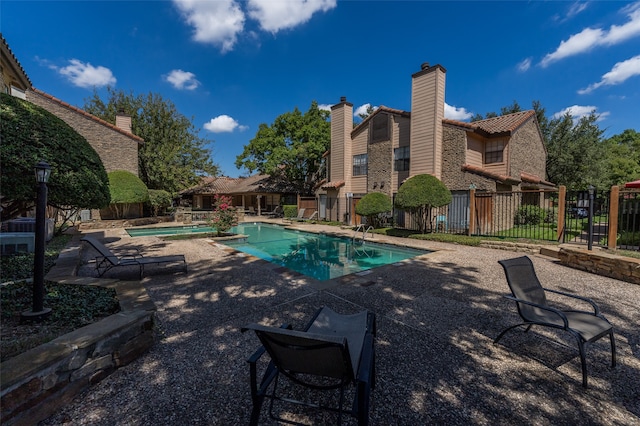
372, 206
623, 158
173, 156
126, 189
575, 152
30, 134
419, 194
291, 148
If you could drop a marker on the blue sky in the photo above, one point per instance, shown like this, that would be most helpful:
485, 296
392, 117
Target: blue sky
231, 65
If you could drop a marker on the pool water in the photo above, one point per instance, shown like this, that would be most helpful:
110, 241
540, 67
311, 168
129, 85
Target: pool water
316, 255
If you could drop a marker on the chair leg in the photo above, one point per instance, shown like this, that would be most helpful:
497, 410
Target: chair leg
583, 361
613, 349
497, 339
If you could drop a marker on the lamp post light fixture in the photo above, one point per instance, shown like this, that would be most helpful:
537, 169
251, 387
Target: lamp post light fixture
38, 311
591, 189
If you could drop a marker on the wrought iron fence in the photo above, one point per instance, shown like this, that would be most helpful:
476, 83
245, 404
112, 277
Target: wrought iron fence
628, 232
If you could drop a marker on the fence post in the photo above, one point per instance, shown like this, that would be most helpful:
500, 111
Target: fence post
614, 200
562, 206
472, 210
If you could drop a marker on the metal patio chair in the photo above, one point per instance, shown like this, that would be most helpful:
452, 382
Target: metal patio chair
333, 352
533, 308
108, 260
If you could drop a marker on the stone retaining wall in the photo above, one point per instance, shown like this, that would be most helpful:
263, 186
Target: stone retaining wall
602, 263
35, 384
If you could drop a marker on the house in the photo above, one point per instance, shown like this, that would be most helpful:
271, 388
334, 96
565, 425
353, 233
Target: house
254, 194
498, 154
116, 145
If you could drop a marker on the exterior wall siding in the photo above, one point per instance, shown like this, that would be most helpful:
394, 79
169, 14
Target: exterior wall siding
454, 152
400, 138
116, 150
427, 112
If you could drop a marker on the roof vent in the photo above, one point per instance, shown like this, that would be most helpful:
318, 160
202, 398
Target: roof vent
424, 66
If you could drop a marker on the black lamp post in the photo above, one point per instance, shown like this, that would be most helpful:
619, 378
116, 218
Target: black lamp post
38, 311
591, 190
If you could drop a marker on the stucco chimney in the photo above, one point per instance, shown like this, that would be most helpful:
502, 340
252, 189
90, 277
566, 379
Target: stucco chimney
427, 113
123, 121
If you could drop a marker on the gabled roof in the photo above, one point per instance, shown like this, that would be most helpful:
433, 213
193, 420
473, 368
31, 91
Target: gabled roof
13, 62
245, 185
503, 125
380, 110
526, 179
87, 115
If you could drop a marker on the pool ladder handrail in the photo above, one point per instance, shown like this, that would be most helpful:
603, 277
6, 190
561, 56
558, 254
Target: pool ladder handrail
364, 228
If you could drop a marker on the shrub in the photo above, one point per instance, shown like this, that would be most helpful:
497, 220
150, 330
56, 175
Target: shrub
372, 206
290, 210
160, 200
126, 189
530, 215
224, 215
419, 194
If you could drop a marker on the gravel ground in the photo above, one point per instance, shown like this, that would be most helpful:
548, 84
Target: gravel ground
437, 316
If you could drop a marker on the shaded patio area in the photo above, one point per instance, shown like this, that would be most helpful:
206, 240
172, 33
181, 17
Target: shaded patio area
437, 316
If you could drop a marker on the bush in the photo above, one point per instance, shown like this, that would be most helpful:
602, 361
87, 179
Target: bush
126, 189
419, 194
530, 215
290, 210
159, 200
224, 215
372, 206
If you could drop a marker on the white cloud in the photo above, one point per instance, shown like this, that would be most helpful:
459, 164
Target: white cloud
362, 109
182, 80
223, 124
217, 22
618, 74
577, 8
579, 111
454, 113
524, 65
276, 15
324, 107
86, 75
592, 37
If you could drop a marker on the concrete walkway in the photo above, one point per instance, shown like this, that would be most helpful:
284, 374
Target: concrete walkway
437, 316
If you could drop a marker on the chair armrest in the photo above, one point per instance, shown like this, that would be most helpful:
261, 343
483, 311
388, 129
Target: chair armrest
558, 312
366, 360
596, 309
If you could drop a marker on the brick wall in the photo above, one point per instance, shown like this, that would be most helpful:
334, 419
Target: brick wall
116, 150
527, 152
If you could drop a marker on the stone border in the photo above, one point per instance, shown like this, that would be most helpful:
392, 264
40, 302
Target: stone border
602, 263
35, 384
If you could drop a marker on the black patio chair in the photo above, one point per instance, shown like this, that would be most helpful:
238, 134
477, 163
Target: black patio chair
531, 301
333, 352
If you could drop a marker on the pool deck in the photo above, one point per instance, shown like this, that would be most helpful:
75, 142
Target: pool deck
437, 316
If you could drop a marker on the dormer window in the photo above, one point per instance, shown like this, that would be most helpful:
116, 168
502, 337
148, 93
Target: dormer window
493, 152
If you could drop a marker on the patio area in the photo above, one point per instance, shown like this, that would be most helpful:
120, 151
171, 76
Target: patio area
437, 316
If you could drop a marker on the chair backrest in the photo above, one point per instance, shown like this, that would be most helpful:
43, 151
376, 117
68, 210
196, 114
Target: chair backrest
315, 213
300, 352
102, 249
525, 285
301, 213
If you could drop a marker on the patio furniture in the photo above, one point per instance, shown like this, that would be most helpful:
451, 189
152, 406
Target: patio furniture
107, 260
533, 308
276, 212
333, 352
306, 219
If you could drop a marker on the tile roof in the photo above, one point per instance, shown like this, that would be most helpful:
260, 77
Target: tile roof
245, 185
529, 178
87, 115
526, 179
333, 185
495, 126
12, 56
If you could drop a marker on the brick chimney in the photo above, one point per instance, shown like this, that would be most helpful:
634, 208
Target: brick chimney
123, 121
427, 113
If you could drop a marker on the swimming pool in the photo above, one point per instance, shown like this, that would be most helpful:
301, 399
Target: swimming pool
316, 255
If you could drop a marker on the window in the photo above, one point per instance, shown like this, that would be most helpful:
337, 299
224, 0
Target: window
401, 159
493, 152
360, 165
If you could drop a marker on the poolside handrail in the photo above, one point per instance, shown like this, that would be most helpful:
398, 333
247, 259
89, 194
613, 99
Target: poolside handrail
362, 227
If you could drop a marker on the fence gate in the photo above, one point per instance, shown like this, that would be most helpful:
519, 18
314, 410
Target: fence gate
576, 229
